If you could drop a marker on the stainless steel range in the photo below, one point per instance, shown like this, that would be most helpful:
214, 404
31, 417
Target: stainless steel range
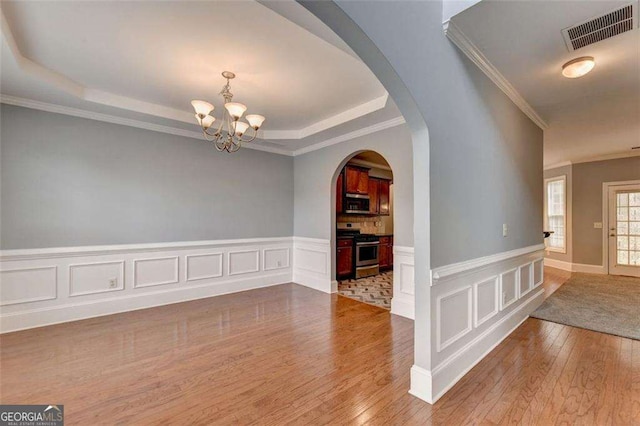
366, 258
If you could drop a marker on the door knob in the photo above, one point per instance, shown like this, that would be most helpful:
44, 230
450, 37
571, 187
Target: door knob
612, 235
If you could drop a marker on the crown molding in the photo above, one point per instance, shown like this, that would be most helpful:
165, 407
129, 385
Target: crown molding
556, 165
351, 135
75, 112
67, 85
107, 118
458, 38
593, 159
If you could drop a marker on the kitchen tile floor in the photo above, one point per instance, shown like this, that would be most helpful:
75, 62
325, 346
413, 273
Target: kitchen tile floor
376, 290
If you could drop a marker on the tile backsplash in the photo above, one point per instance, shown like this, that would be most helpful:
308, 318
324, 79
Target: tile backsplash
366, 224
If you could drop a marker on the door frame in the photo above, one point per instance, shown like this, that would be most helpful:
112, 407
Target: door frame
605, 219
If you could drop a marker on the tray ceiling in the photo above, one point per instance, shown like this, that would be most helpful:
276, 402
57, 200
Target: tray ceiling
147, 60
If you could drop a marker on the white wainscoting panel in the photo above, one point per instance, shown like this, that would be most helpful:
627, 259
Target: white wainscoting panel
468, 318
96, 277
525, 273
28, 285
538, 272
276, 258
243, 262
155, 271
453, 317
403, 301
110, 279
486, 300
203, 266
508, 288
312, 264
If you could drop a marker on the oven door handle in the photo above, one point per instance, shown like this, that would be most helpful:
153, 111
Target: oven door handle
371, 243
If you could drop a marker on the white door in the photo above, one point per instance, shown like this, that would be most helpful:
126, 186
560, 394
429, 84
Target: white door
624, 230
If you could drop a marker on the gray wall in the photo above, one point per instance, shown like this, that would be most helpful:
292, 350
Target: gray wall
484, 154
69, 181
587, 203
314, 173
556, 172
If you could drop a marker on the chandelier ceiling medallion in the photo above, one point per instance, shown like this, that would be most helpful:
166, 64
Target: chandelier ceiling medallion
229, 136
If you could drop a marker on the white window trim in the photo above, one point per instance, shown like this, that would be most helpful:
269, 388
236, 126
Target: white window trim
562, 178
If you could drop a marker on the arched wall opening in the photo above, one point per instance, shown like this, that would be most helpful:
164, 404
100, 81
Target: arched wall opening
419, 250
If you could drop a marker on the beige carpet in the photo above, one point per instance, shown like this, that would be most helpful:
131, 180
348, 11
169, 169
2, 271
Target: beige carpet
606, 303
376, 290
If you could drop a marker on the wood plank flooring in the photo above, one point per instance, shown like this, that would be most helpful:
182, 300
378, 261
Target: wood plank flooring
291, 355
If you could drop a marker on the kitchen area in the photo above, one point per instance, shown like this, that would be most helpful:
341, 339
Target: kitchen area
364, 230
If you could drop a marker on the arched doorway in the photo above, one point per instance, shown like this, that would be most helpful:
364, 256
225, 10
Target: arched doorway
363, 217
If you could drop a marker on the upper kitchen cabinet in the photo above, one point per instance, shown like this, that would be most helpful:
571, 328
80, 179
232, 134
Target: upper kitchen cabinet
357, 180
383, 197
340, 193
379, 196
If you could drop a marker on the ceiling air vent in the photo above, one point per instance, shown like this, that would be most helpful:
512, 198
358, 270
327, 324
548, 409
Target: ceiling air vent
601, 28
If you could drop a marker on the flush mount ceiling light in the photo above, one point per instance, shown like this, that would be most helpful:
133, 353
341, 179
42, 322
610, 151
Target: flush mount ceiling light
578, 67
232, 138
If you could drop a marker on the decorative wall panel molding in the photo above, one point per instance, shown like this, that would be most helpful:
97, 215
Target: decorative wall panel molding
486, 300
403, 301
28, 285
155, 271
203, 266
96, 277
243, 262
454, 312
469, 317
276, 258
110, 279
509, 287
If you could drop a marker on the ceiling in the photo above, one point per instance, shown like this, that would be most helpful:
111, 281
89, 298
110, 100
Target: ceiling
145, 61
594, 115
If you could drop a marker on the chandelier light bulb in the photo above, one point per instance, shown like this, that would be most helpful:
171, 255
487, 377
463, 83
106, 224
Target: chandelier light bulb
205, 122
255, 120
239, 127
578, 67
235, 109
202, 108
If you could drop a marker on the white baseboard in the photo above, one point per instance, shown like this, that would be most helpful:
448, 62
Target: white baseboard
26, 319
313, 281
575, 267
421, 384
403, 308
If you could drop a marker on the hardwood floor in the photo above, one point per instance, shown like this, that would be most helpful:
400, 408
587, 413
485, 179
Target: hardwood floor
291, 355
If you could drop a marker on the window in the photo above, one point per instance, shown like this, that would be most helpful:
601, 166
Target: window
556, 213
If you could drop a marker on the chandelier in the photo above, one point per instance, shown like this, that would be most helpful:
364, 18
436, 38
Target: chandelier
232, 138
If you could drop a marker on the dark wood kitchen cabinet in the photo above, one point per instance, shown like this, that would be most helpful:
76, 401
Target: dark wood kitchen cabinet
379, 197
357, 180
344, 258
385, 253
340, 193
374, 185
383, 198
